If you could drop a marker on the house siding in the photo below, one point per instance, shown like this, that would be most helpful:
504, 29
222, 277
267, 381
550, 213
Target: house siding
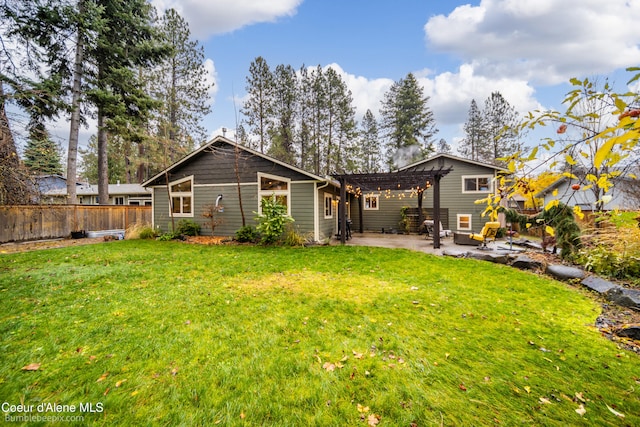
451, 195
214, 173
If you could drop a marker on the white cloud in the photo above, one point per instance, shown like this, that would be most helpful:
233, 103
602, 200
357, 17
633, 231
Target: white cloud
212, 77
209, 17
450, 92
545, 41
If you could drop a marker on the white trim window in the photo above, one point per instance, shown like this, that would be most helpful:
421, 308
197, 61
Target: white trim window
181, 193
464, 222
477, 183
328, 205
371, 202
274, 186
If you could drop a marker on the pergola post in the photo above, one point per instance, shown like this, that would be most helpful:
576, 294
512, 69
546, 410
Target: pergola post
342, 210
436, 211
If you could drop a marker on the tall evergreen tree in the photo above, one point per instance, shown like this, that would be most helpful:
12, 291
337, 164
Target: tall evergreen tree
474, 143
285, 99
500, 125
258, 108
443, 146
126, 42
179, 82
305, 119
42, 155
407, 121
340, 122
370, 150
318, 105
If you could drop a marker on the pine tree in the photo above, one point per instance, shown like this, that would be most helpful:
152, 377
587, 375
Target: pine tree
258, 108
370, 152
42, 155
179, 82
127, 41
318, 104
500, 126
474, 142
443, 146
284, 109
116, 160
407, 121
340, 123
305, 119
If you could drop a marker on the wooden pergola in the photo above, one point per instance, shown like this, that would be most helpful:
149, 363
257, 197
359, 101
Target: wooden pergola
418, 180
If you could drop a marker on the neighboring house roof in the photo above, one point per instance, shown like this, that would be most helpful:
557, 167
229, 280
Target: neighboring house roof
92, 190
549, 188
566, 180
452, 157
218, 139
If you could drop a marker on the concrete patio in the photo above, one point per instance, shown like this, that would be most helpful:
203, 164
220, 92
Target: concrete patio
418, 243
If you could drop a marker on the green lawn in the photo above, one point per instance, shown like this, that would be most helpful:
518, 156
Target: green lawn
164, 333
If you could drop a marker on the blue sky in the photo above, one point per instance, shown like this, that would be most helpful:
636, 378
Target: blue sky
525, 49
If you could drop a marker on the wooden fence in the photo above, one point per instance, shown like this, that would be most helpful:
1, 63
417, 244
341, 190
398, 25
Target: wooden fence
34, 222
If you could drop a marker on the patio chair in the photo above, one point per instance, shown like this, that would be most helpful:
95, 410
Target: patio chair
488, 232
429, 227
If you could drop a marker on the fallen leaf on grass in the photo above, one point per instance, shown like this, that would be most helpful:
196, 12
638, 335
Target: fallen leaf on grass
174, 371
357, 355
242, 415
329, 367
373, 420
119, 383
462, 387
362, 409
581, 411
580, 397
31, 367
103, 377
106, 391
614, 412
527, 389
545, 401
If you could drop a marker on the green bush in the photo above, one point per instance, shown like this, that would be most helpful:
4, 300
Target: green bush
167, 236
272, 220
188, 227
604, 261
147, 233
247, 233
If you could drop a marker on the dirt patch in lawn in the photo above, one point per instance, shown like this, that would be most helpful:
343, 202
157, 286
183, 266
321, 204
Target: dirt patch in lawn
16, 247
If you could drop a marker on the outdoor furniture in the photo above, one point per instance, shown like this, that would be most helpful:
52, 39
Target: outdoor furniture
429, 226
348, 234
488, 232
464, 239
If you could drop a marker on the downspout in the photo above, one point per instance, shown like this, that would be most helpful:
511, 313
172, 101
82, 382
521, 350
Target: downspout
316, 201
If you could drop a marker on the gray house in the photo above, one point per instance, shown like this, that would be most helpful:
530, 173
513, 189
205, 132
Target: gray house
467, 182
236, 179
623, 195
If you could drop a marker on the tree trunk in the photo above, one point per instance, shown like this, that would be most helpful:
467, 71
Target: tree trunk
103, 164
72, 152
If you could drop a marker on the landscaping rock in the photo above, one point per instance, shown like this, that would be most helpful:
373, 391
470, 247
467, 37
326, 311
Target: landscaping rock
563, 272
454, 253
629, 331
523, 262
488, 256
598, 284
624, 297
